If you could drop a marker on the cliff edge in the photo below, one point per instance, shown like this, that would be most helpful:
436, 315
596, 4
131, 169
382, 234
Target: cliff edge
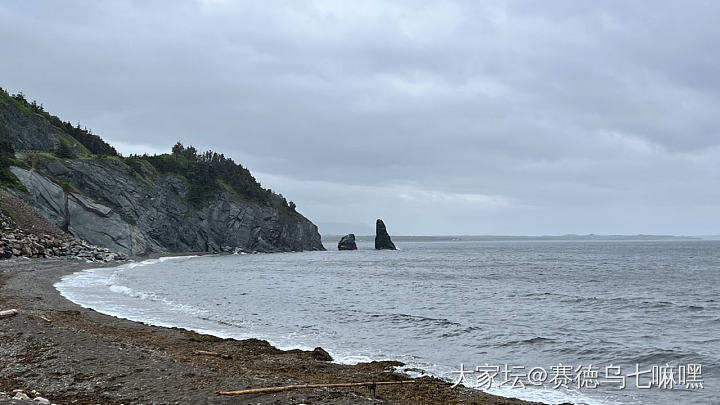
180, 202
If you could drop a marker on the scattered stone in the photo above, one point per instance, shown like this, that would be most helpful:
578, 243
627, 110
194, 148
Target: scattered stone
17, 242
347, 242
8, 313
320, 354
20, 396
41, 400
382, 239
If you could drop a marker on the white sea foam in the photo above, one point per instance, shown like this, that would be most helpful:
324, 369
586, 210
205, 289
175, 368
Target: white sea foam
89, 288
423, 307
99, 289
352, 359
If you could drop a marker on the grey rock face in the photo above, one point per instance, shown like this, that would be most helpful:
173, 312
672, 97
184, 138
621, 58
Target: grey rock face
45, 196
347, 242
137, 215
382, 239
97, 224
27, 131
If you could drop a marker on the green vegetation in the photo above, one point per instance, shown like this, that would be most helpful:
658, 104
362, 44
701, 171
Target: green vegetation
136, 168
33, 160
67, 186
65, 151
90, 142
14, 100
75, 146
7, 158
11, 215
206, 173
209, 173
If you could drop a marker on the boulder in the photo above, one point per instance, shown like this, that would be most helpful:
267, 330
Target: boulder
21, 396
347, 242
320, 354
382, 239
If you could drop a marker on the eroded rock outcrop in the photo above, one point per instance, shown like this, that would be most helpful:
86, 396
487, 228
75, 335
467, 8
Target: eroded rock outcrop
78, 182
347, 242
111, 206
382, 239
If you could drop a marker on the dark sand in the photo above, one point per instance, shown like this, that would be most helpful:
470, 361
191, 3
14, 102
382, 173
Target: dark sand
84, 357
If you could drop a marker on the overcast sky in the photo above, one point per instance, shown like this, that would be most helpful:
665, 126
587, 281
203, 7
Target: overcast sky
465, 117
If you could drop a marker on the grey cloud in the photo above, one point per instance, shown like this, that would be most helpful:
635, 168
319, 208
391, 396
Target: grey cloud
554, 108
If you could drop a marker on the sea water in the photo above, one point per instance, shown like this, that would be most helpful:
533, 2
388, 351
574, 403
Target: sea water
570, 308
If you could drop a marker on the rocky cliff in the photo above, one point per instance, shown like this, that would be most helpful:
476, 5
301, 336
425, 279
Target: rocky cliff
347, 242
382, 238
27, 131
139, 210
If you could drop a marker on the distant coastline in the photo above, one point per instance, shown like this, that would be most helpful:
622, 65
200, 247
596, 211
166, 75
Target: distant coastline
499, 238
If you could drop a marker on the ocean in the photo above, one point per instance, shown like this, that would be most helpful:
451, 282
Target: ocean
589, 314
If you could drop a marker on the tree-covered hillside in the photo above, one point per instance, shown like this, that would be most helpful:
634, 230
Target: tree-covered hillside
207, 173
93, 143
210, 173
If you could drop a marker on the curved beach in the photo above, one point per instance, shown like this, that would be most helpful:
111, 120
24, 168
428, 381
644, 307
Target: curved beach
71, 354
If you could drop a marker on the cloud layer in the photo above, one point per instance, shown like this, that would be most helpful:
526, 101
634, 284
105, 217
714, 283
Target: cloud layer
465, 117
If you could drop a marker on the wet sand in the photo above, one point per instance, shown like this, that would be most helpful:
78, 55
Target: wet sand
79, 356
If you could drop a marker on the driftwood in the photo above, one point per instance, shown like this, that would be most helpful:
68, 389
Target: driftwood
8, 313
207, 353
371, 384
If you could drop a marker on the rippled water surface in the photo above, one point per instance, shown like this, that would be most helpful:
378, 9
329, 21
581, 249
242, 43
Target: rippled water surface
435, 305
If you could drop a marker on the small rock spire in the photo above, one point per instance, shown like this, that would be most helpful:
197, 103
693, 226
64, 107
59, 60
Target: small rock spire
382, 239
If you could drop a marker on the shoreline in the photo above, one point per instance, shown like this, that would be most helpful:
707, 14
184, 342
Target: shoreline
85, 357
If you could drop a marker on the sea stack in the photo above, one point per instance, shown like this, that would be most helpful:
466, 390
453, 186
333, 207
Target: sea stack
347, 242
382, 239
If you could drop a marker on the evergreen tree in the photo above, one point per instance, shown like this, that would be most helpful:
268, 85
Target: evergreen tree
65, 151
